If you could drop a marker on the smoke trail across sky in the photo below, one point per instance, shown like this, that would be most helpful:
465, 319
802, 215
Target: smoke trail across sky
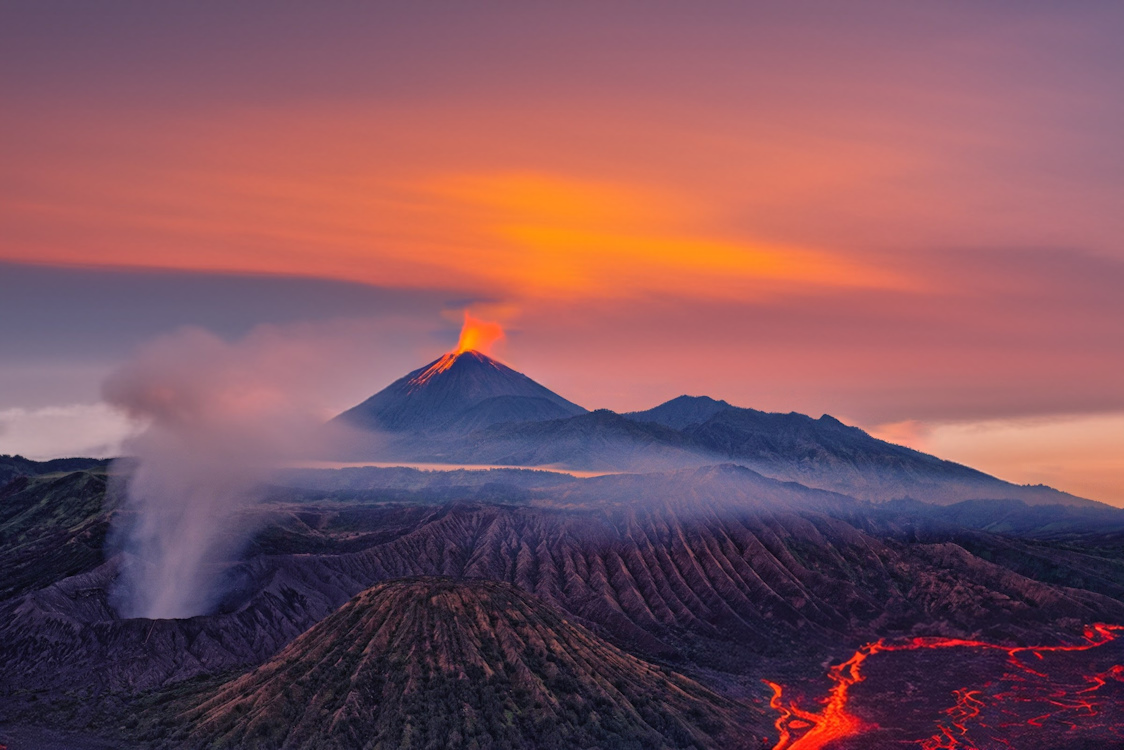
221, 417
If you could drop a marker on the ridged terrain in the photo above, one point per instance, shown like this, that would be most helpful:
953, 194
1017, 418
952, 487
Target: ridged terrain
715, 567
438, 663
51, 527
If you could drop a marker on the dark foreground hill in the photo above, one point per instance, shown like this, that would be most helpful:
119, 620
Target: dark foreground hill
442, 663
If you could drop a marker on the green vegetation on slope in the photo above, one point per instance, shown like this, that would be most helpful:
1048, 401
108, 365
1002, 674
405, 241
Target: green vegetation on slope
51, 527
18, 466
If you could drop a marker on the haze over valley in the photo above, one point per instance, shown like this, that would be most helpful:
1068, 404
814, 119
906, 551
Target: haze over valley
561, 376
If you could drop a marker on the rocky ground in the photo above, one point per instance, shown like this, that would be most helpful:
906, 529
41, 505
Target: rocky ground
716, 576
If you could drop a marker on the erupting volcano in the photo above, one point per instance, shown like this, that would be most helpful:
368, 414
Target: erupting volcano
477, 337
467, 408
463, 389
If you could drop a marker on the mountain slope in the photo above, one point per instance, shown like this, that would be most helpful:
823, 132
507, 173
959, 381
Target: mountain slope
716, 566
433, 662
18, 466
51, 527
681, 412
600, 440
467, 390
827, 454
821, 453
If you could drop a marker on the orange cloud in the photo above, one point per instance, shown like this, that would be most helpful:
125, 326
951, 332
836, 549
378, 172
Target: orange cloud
499, 234
558, 237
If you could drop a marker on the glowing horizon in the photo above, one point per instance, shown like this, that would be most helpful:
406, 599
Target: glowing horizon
903, 216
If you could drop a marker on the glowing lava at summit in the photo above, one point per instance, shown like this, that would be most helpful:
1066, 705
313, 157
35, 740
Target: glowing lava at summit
478, 335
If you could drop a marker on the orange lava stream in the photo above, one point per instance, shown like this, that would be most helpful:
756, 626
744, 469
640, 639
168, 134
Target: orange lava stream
436, 368
785, 714
833, 722
1100, 680
967, 707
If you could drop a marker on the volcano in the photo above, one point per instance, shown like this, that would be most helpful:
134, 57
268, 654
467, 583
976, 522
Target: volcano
438, 662
467, 408
460, 392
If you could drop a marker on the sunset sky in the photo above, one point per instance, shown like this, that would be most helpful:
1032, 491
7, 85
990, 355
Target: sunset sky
909, 216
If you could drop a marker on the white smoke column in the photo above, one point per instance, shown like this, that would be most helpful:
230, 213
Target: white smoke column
221, 418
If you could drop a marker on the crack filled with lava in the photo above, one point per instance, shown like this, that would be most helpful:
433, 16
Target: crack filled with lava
804, 729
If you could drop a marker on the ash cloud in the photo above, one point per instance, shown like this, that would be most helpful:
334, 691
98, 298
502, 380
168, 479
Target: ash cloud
221, 418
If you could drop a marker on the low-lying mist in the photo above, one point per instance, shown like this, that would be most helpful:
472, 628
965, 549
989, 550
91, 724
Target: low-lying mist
221, 418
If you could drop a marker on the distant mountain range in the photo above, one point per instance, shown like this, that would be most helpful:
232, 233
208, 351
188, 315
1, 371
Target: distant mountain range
468, 408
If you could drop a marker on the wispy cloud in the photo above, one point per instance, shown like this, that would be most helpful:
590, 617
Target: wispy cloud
96, 430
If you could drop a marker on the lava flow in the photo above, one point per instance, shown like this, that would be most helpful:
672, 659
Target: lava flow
802, 729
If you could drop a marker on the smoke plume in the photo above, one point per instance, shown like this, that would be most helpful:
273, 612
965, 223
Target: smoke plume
221, 417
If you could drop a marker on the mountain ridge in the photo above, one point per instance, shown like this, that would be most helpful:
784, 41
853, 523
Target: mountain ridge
468, 408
